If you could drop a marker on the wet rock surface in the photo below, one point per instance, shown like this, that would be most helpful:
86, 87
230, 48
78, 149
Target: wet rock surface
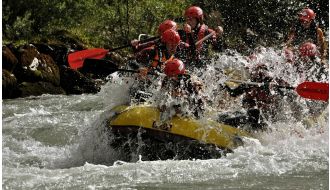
41, 68
9, 84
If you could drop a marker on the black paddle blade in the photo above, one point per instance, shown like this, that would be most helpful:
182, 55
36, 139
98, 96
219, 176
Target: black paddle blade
99, 67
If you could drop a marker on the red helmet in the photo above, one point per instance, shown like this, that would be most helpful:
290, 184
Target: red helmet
167, 24
171, 37
308, 49
307, 15
194, 12
174, 68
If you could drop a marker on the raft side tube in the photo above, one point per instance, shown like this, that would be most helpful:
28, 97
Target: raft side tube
147, 117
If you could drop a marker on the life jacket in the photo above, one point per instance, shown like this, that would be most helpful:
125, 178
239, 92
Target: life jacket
303, 34
201, 34
261, 98
160, 58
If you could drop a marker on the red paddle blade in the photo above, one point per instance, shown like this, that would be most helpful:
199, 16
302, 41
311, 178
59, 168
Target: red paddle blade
76, 59
314, 90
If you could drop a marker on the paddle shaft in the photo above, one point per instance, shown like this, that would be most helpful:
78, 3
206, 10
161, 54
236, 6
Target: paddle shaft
205, 38
309, 90
129, 45
156, 37
260, 84
76, 59
137, 71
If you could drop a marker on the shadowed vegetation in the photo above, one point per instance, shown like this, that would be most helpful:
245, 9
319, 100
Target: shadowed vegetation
112, 23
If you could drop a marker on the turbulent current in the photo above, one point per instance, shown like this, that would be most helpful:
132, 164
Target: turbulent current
58, 142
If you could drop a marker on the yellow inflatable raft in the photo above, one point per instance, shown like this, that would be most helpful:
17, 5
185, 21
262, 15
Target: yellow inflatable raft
136, 132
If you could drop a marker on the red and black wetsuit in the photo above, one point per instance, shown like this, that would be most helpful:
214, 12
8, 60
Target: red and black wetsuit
153, 57
198, 55
302, 34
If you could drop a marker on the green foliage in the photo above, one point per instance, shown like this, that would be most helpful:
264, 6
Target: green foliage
96, 22
22, 26
112, 23
120, 21
41, 16
265, 17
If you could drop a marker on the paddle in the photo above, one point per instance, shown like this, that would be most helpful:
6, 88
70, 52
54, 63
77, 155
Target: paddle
76, 59
309, 90
314, 90
102, 66
105, 67
205, 38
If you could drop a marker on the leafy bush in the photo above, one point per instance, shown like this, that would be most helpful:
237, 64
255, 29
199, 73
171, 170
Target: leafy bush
97, 22
112, 23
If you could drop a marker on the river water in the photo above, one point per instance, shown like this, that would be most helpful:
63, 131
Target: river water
58, 142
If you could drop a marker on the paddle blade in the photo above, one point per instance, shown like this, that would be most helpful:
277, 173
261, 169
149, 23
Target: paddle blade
314, 90
76, 59
99, 67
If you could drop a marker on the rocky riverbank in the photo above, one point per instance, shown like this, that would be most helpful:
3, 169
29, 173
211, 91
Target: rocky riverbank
42, 68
